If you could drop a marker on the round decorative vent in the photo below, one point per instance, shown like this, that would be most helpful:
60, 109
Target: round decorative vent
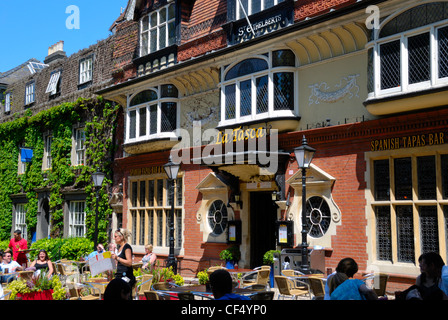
318, 216
217, 217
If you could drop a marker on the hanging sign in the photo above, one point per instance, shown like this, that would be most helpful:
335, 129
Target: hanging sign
26, 154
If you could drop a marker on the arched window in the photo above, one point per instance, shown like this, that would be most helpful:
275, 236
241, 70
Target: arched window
410, 51
258, 88
152, 113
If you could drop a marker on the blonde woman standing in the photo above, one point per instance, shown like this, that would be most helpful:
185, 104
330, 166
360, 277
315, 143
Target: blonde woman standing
123, 256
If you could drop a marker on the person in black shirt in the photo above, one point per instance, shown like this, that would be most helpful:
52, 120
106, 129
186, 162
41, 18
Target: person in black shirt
123, 256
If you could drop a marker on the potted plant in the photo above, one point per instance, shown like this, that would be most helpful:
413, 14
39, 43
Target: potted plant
231, 256
40, 287
203, 277
164, 276
268, 260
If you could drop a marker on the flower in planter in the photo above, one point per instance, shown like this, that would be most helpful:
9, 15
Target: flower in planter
230, 254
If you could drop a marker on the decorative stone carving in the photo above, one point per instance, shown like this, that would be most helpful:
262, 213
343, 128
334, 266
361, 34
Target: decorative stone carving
320, 93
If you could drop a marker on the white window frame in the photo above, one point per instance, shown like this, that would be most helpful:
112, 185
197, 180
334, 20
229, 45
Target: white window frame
85, 70
240, 13
77, 218
148, 136
271, 113
53, 83
29, 93
146, 29
46, 163
20, 219
79, 144
404, 86
8, 102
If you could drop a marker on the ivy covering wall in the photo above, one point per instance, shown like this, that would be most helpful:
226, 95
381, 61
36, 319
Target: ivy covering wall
99, 118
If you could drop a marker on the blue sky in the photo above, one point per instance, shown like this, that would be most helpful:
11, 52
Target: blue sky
29, 27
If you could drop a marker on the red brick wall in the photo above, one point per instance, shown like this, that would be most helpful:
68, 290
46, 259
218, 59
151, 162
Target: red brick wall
310, 8
125, 48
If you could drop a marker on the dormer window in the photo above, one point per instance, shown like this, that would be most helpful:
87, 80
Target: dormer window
158, 30
259, 87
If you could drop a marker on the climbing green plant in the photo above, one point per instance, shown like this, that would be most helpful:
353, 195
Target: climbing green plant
99, 117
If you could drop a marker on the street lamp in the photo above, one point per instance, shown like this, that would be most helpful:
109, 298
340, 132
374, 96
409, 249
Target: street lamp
97, 178
171, 170
304, 155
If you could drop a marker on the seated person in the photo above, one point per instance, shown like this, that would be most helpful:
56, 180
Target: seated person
43, 262
149, 258
9, 265
99, 249
221, 283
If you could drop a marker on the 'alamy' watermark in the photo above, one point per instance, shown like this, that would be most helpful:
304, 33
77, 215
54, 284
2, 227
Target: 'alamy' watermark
73, 21
373, 20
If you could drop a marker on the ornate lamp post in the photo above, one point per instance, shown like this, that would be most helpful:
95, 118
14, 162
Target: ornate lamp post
171, 170
98, 178
304, 155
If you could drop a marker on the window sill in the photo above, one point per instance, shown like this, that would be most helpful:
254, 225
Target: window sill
280, 123
399, 102
151, 144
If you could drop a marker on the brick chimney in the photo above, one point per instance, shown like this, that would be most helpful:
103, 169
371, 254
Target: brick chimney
55, 52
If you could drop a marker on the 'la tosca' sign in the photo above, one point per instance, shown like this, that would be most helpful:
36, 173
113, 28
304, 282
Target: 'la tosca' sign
239, 135
418, 140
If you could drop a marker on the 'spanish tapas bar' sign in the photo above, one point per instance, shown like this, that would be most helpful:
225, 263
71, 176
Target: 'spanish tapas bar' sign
418, 140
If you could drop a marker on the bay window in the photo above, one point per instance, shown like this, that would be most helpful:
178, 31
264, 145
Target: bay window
152, 113
258, 88
410, 51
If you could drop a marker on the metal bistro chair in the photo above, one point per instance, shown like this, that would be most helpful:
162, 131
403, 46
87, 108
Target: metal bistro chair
144, 286
155, 295
286, 287
378, 282
317, 288
74, 293
262, 295
262, 278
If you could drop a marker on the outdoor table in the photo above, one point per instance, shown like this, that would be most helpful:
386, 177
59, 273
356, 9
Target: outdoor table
202, 289
137, 265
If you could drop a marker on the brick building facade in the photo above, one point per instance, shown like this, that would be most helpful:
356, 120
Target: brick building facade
230, 100
360, 129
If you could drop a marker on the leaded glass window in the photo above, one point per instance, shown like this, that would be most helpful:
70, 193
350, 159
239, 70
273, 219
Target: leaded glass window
426, 172
403, 179
429, 229
411, 51
383, 233
405, 232
407, 226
